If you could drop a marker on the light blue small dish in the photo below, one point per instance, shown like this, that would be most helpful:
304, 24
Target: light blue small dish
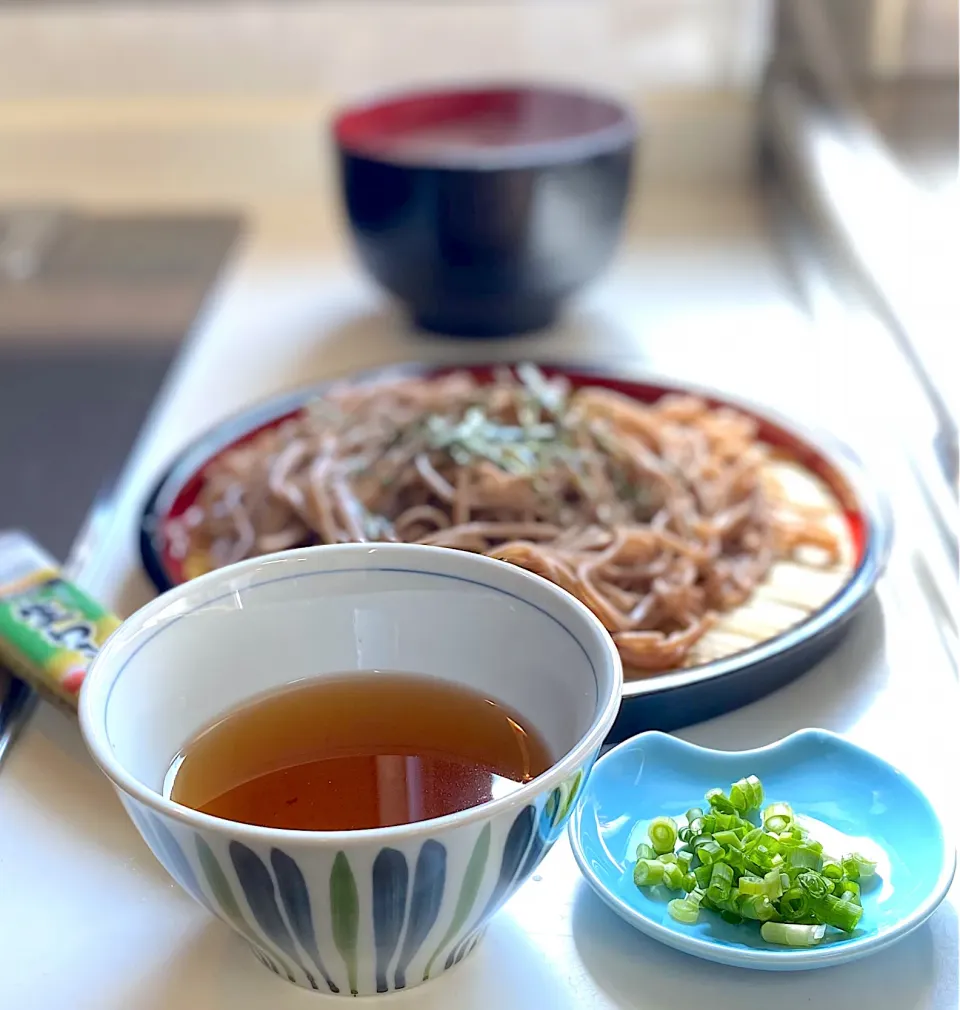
845, 791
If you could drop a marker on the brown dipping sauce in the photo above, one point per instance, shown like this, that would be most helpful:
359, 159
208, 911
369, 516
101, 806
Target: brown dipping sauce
364, 750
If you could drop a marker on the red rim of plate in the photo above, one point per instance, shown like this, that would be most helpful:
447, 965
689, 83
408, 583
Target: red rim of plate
866, 513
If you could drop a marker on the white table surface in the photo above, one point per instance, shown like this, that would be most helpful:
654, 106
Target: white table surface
88, 919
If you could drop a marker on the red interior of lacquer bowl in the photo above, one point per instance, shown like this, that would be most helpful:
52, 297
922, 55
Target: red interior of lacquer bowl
787, 443
434, 124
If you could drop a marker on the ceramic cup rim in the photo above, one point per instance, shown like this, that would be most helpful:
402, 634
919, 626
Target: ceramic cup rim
103, 672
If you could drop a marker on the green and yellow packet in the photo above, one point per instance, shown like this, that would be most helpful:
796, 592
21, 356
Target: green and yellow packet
50, 629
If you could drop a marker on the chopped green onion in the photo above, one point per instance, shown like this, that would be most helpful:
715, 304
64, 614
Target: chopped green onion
750, 838
757, 906
648, 872
774, 884
735, 858
832, 870
684, 910
791, 935
850, 886
805, 855
721, 883
709, 852
702, 873
769, 886
814, 884
838, 913
663, 834
765, 853
794, 904
720, 802
729, 822
856, 867
740, 796
673, 876
747, 794
778, 817
756, 792
775, 874
748, 884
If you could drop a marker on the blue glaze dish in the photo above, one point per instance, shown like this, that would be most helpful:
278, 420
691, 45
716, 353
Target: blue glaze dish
847, 797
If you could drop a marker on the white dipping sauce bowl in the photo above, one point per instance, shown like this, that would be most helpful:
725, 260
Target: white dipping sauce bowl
353, 912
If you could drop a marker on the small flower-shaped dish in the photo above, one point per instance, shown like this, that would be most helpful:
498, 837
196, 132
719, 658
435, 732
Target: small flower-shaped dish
851, 800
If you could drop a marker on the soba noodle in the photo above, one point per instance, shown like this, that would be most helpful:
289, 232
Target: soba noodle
657, 517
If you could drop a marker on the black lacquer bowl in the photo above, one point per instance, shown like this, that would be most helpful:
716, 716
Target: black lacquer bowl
482, 209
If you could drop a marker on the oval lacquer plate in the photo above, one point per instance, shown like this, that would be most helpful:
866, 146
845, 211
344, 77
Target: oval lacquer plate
794, 618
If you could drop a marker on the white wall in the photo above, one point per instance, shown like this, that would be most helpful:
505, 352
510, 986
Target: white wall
295, 48
238, 89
